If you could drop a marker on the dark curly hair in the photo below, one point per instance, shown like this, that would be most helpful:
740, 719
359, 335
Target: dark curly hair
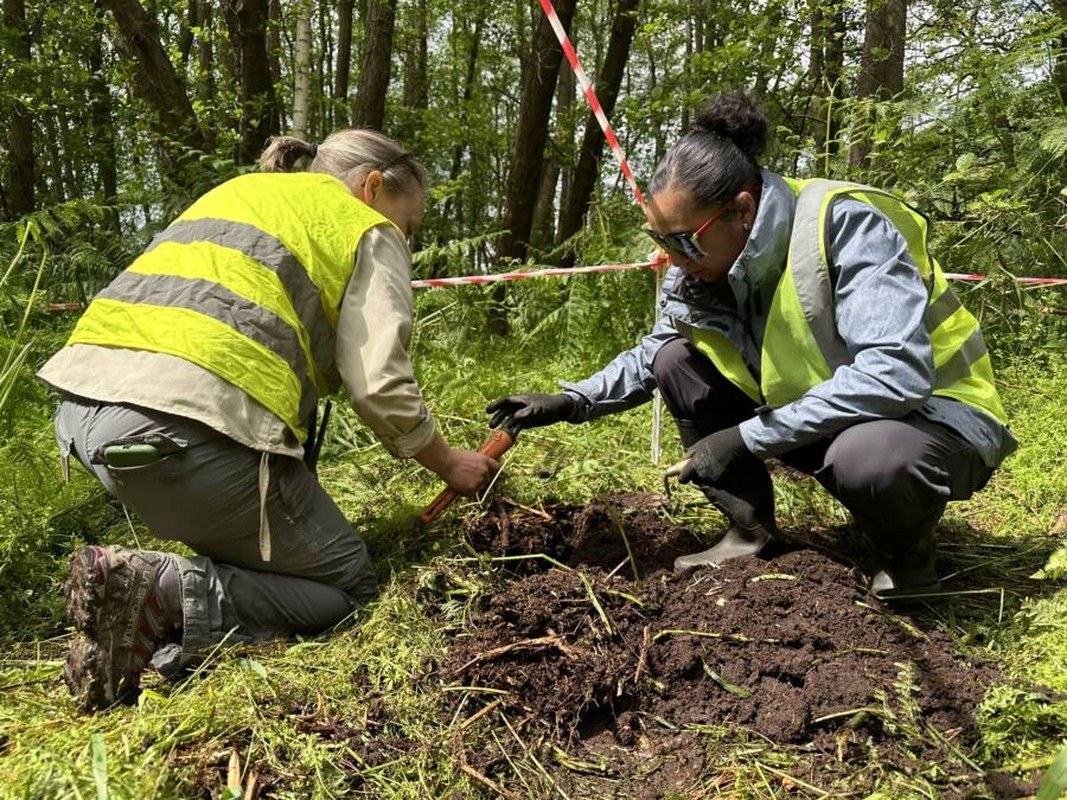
719, 156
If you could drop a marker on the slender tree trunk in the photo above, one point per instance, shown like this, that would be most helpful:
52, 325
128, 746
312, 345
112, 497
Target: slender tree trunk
881, 68
247, 22
555, 173
322, 119
416, 88
1060, 69
301, 70
468, 93
206, 84
158, 82
54, 172
527, 156
565, 100
578, 198
827, 58
375, 64
103, 126
344, 63
659, 135
185, 37
531, 135
275, 113
21, 165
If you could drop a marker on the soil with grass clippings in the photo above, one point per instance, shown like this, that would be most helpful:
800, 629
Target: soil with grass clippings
632, 672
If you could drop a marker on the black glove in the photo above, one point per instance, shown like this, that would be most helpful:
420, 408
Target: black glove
710, 459
532, 410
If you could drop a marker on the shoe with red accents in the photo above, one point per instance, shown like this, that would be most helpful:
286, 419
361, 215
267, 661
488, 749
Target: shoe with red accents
125, 604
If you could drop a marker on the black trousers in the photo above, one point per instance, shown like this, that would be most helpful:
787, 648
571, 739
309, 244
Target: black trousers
894, 475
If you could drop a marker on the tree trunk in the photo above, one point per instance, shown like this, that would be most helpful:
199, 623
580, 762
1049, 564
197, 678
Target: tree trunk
375, 64
585, 174
247, 22
468, 93
344, 63
531, 135
416, 89
1060, 70
881, 68
206, 90
185, 37
21, 165
158, 82
527, 156
102, 135
301, 70
553, 173
827, 59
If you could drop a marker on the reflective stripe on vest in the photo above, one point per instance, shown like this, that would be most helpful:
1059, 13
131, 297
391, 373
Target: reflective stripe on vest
247, 284
802, 346
271, 253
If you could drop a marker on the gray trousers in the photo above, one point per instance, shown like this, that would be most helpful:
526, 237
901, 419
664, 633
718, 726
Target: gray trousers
895, 475
206, 494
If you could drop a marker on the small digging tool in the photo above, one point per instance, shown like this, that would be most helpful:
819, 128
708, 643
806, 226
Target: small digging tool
498, 443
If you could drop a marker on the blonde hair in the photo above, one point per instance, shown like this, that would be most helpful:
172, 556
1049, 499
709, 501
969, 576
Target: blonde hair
345, 154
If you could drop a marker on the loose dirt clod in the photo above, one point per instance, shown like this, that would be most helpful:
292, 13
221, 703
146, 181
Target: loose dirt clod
790, 650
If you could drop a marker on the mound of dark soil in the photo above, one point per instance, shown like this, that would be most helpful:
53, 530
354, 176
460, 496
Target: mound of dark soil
788, 648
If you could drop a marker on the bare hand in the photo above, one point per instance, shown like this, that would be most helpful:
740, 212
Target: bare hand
467, 471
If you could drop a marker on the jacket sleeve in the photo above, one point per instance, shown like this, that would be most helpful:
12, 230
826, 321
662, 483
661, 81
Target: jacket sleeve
879, 306
373, 334
627, 381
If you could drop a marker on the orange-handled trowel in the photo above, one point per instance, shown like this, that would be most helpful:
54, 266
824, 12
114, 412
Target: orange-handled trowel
498, 443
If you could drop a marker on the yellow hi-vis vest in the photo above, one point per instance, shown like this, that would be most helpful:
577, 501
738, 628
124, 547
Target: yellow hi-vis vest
801, 344
247, 283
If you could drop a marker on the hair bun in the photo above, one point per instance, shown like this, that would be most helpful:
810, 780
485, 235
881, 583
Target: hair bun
733, 116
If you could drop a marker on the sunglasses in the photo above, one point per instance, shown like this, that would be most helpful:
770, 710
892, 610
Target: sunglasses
686, 244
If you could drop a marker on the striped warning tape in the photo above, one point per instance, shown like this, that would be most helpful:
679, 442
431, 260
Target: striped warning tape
470, 280
961, 276
591, 98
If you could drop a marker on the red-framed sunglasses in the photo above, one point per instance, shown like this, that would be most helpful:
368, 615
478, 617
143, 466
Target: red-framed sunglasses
687, 243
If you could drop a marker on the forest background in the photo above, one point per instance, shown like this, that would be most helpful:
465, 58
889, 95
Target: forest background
117, 113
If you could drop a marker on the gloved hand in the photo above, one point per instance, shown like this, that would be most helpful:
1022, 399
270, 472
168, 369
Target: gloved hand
710, 459
532, 410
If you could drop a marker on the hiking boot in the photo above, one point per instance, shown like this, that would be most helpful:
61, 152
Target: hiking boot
124, 604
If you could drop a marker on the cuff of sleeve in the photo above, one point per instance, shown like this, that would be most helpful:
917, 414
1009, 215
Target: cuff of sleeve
749, 430
408, 444
583, 405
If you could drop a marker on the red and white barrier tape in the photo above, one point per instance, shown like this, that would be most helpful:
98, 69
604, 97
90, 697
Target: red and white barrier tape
54, 307
430, 283
590, 96
960, 276
468, 280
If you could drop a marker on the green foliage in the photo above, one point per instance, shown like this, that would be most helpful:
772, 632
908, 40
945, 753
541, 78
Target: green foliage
1054, 784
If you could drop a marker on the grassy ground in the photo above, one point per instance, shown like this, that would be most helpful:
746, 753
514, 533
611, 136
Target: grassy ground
288, 716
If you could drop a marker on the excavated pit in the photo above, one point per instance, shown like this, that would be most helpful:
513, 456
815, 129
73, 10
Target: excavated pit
596, 645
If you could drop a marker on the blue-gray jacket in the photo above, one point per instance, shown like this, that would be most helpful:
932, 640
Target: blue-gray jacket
879, 302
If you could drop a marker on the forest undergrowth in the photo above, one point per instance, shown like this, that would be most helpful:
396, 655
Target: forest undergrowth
381, 708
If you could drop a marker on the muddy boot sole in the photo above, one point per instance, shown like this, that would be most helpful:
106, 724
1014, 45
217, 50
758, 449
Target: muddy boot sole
106, 594
91, 682
86, 589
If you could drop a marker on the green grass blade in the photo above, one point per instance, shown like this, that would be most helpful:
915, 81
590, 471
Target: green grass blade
1054, 784
99, 751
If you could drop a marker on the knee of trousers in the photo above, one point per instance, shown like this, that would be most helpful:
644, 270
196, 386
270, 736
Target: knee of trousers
679, 370
359, 580
879, 475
